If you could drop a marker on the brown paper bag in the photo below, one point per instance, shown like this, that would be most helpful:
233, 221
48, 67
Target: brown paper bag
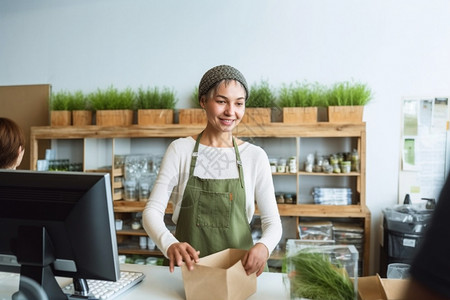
219, 276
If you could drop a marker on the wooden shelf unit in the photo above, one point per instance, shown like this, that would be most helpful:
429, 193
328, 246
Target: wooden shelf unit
357, 131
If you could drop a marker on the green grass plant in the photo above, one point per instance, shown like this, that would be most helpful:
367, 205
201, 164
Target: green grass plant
316, 278
60, 100
154, 98
348, 94
302, 95
261, 95
79, 101
195, 103
112, 98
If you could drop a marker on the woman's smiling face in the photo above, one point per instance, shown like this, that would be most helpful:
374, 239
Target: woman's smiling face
225, 106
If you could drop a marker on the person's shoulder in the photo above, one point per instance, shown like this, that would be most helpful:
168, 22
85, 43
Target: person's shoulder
182, 144
183, 141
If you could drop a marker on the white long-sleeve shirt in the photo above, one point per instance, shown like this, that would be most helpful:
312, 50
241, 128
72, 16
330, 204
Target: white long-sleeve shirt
212, 163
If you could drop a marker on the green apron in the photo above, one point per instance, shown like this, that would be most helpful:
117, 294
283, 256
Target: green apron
213, 215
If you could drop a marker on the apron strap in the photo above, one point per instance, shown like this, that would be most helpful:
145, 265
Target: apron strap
236, 150
195, 155
239, 163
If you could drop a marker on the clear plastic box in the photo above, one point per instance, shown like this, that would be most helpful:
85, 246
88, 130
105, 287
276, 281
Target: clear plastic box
343, 259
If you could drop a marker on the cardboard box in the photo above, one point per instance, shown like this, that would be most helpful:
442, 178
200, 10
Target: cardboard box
219, 276
377, 288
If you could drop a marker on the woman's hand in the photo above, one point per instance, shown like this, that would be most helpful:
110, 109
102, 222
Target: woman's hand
182, 252
255, 259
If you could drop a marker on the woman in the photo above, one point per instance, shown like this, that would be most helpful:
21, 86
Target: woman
12, 144
213, 180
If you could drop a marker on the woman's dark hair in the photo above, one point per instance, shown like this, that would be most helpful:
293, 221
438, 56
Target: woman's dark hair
11, 139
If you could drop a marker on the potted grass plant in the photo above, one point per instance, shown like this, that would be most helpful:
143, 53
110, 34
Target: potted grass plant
315, 277
60, 114
300, 102
258, 107
155, 106
346, 101
113, 107
81, 109
194, 115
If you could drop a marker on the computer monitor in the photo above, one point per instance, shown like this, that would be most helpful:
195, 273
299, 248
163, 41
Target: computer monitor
57, 224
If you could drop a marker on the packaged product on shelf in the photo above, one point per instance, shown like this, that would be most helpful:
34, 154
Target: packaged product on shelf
130, 190
316, 230
280, 198
326, 167
346, 166
292, 164
309, 163
289, 198
281, 167
273, 164
349, 234
319, 163
332, 196
355, 160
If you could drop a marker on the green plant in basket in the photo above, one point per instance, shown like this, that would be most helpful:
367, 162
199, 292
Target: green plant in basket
348, 94
112, 98
302, 95
315, 277
194, 99
60, 100
168, 99
79, 101
153, 98
261, 95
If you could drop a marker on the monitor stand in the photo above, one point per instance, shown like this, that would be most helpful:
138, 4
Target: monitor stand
34, 252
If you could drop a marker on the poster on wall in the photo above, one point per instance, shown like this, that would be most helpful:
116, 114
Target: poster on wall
425, 153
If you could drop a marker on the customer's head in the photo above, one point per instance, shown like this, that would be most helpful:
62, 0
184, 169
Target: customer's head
216, 76
12, 144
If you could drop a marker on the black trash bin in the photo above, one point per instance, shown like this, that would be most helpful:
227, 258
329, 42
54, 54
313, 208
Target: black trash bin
404, 229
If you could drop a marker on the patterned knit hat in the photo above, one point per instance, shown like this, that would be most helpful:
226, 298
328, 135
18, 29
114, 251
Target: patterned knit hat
217, 74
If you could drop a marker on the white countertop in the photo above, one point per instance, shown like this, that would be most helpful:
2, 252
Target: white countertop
159, 283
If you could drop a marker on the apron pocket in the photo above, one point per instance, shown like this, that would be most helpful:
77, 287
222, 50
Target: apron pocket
214, 209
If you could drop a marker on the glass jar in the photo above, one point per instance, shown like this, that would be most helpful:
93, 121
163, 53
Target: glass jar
346, 166
280, 198
355, 160
292, 164
273, 165
281, 167
288, 199
135, 224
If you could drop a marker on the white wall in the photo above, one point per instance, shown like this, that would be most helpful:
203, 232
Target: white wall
399, 48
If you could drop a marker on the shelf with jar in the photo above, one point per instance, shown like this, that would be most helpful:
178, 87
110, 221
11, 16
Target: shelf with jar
97, 146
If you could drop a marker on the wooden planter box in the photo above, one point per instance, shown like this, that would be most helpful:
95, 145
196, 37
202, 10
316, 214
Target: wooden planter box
81, 117
114, 117
257, 115
299, 115
345, 114
60, 118
192, 116
154, 116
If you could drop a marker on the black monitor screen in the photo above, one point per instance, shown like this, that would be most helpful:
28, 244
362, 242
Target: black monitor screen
61, 221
